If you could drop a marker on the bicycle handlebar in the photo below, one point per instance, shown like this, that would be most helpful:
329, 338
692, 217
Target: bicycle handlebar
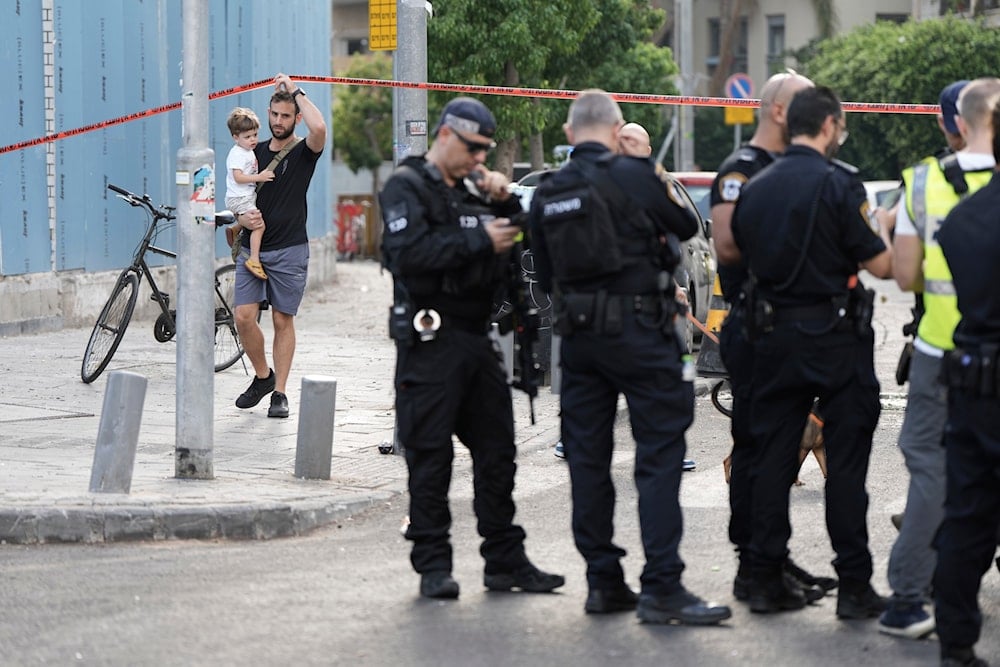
163, 212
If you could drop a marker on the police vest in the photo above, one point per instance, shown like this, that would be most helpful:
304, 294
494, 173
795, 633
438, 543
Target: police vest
593, 229
930, 195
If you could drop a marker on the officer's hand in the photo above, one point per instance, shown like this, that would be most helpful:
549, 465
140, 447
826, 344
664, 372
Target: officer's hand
492, 183
502, 233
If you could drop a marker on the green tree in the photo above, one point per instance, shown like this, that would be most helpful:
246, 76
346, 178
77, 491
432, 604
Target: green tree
565, 44
898, 63
362, 117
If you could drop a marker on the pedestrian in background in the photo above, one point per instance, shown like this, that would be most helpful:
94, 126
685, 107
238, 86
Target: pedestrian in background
933, 187
966, 542
768, 141
284, 246
604, 232
447, 238
802, 227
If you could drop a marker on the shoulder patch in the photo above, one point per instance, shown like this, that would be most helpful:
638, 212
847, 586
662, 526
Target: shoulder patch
746, 155
730, 186
395, 218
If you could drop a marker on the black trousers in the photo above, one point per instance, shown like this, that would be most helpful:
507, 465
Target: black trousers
792, 368
737, 355
456, 384
967, 540
643, 363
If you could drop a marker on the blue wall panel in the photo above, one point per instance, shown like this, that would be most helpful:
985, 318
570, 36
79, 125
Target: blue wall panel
25, 245
121, 57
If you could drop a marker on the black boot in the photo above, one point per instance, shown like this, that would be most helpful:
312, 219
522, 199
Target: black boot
772, 590
439, 585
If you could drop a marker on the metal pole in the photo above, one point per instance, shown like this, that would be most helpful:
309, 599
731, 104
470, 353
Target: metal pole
684, 151
409, 63
195, 178
118, 433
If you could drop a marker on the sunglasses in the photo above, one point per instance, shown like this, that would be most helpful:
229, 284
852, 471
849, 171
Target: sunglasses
474, 146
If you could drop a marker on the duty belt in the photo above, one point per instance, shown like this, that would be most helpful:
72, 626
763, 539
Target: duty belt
823, 311
972, 371
602, 312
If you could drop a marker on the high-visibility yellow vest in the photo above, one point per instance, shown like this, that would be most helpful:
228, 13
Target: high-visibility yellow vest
929, 198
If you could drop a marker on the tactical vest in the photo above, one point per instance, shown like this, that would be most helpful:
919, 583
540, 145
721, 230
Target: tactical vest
930, 196
594, 230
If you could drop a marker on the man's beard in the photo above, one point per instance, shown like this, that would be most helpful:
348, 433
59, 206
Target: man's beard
281, 133
832, 148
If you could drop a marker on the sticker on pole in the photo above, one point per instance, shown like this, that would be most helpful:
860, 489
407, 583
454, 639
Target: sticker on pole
203, 194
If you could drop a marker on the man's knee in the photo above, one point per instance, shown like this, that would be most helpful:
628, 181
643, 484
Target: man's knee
246, 316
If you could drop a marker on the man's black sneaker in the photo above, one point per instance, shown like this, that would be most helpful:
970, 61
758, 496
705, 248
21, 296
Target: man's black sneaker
528, 578
610, 600
279, 405
741, 588
439, 585
682, 607
771, 595
855, 603
258, 389
961, 657
806, 579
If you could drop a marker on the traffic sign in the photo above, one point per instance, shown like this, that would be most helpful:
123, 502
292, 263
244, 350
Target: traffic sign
739, 86
739, 116
382, 25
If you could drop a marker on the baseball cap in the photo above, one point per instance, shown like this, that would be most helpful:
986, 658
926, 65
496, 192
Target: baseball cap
949, 104
466, 114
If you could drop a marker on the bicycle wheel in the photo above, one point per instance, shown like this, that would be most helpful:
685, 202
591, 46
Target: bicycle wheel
228, 349
110, 326
722, 397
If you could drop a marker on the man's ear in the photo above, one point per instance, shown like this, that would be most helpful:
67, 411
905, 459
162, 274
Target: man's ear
569, 133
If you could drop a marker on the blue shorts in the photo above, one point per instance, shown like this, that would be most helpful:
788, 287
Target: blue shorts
286, 278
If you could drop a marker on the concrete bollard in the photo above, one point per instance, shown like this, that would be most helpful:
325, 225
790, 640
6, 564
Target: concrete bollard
506, 342
118, 433
314, 447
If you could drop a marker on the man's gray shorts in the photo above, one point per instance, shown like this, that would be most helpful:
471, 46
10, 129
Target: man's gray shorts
286, 278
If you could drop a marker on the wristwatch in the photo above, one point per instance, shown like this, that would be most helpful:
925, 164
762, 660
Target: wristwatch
298, 91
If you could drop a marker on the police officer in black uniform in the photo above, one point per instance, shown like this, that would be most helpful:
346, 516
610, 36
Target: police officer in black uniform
801, 224
769, 140
447, 237
604, 232
966, 541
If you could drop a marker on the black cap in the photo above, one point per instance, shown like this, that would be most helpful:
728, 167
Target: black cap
949, 104
466, 114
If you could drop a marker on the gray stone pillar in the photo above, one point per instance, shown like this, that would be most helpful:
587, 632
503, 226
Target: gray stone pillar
118, 433
314, 446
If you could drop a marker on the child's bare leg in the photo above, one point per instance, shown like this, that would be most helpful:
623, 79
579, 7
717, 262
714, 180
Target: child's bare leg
255, 238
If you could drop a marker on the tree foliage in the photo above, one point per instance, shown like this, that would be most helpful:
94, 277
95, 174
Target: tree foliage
562, 44
898, 63
362, 115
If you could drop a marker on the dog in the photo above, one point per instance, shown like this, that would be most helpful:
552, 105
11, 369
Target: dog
812, 441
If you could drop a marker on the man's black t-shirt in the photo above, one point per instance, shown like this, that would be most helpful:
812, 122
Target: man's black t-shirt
734, 172
282, 201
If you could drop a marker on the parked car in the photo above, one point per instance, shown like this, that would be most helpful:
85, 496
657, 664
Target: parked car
696, 272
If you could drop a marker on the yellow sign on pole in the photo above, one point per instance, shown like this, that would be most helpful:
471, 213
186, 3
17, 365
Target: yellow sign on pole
739, 115
382, 25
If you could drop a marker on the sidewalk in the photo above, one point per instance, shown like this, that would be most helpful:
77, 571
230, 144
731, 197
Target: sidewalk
49, 422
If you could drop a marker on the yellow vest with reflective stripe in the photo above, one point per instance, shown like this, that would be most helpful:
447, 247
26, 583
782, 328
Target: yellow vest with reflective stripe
929, 198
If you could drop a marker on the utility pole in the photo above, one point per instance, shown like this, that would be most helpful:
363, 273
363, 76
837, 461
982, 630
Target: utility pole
195, 178
684, 143
409, 63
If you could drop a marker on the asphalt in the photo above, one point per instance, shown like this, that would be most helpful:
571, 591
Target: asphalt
49, 421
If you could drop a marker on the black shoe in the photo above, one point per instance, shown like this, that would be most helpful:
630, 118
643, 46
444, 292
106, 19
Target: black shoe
439, 585
806, 579
279, 405
961, 657
855, 604
897, 521
610, 600
255, 393
741, 588
527, 577
683, 607
776, 593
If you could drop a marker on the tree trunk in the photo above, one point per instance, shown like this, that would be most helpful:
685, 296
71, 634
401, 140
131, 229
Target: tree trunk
507, 149
729, 22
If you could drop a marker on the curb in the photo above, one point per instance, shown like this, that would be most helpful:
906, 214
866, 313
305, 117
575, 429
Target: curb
123, 523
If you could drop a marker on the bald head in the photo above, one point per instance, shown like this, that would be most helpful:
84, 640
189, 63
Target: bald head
780, 88
633, 140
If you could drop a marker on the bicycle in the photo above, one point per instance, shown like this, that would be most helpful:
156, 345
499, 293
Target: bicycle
117, 312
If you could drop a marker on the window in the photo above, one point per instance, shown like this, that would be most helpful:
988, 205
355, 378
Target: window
895, 18
359, 45
739, 47
775, 44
